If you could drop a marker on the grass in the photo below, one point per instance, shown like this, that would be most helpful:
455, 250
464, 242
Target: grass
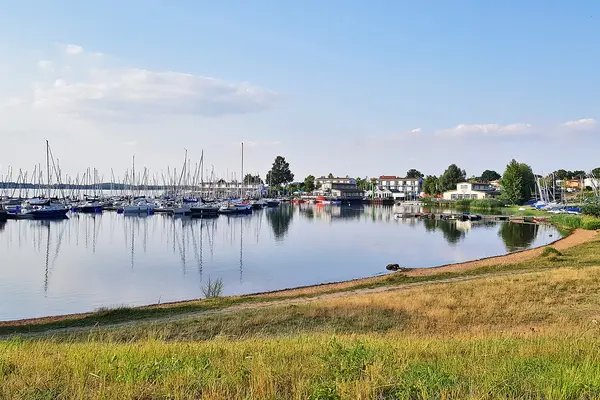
576, 221
530, 334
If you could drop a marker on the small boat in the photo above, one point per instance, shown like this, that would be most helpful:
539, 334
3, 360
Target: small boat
90, 206
139, 206
258, 204
36, 209
204, 210
272, 203
236, 208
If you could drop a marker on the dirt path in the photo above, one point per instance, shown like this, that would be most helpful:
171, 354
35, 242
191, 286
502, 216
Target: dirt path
343, 289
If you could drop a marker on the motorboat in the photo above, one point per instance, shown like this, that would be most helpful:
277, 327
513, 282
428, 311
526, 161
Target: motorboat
236, 208
90, 206
46, 209
139, 206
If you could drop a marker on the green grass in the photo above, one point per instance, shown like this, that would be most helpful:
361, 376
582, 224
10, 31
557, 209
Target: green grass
576, 221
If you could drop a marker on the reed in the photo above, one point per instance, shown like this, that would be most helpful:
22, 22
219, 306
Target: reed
576, 221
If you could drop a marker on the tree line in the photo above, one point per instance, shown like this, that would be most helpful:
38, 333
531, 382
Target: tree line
518, 180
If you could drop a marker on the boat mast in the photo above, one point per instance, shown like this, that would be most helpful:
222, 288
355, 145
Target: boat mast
242, 185
48, 166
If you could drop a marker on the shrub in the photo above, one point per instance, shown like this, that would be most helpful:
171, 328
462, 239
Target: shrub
592, 208
590, 223
213, 289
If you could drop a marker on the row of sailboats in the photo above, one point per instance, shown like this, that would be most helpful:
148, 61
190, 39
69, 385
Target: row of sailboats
178, 197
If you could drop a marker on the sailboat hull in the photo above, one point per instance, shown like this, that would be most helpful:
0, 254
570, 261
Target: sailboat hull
48, 214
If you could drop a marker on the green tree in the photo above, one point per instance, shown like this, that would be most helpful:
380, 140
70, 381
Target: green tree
577, 174
330, 176
561, 174
518, 182
413, 173
363, 184
431, 185
596, 172
489, 175
280, 173
309, 183
250, 179
451, 177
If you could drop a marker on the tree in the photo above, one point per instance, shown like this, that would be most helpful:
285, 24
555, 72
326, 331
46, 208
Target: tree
561, 174
250, 179
577, 174
414, 174
596, 172
309, 183
330, 176
451, 177
489, 175
363, 184
430, 185
280, 173
518, 182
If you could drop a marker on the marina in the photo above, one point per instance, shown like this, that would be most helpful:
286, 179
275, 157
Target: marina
108, 259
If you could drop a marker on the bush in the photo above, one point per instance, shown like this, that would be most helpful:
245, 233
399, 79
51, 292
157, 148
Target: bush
590, 223
592, 208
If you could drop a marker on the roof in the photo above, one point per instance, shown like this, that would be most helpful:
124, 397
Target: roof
396, 178
324, 177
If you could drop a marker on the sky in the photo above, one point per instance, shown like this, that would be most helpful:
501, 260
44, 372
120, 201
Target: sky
358, 88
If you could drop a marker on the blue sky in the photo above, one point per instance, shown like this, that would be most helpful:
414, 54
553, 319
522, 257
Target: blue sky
353, 88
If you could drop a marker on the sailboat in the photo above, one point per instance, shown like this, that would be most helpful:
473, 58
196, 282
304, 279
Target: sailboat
45, 208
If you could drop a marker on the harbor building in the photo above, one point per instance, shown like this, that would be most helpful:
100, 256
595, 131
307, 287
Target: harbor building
344, 189
471, 190
398, 188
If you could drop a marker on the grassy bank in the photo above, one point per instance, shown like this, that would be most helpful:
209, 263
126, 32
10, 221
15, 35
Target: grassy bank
530, 333
567, 221
307, 367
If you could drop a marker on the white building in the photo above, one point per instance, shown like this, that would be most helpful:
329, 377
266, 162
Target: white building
398, 188
468, 190
340, 188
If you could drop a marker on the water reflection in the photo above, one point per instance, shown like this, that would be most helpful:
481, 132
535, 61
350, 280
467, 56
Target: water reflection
104, 260
280, 220
518, 236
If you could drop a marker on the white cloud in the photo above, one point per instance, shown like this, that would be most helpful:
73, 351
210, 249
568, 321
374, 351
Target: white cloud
416, 130
133, 93
97, 54
73, 49
45, 64
482, 130
584, 123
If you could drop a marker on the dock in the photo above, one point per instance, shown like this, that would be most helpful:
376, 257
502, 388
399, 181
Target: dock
474, 217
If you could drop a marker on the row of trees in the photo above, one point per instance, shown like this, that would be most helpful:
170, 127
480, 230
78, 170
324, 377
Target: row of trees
518, 181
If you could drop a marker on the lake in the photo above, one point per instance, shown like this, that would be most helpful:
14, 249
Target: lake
107, 260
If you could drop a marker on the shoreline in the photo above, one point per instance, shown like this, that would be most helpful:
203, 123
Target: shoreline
577, 237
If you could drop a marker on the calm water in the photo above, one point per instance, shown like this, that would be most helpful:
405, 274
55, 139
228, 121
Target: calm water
92, 261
